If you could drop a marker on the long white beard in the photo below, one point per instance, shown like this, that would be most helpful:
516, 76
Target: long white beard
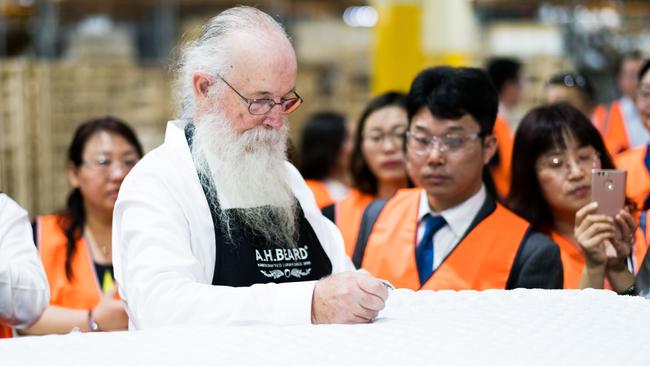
249, 176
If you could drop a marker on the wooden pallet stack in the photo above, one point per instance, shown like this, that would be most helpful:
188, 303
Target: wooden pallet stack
50, 100
17, 122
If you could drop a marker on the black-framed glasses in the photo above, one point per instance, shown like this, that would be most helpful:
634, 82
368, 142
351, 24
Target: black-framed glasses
571, 80
264, 105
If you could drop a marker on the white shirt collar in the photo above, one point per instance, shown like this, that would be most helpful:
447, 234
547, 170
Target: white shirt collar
459, 217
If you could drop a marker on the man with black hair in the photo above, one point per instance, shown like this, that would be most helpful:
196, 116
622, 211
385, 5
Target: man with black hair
505, 74
452, 233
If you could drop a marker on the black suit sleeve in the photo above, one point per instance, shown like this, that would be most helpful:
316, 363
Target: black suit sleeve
537, 265
643, 278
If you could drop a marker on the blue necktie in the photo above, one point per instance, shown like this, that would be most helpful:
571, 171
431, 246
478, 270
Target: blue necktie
424, 250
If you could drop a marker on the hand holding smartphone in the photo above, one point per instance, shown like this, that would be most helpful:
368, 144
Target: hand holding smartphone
608, 189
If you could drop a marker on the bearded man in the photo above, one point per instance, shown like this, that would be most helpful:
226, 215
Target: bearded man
215, 226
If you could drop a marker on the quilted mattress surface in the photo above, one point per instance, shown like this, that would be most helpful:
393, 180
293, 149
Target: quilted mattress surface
520, 327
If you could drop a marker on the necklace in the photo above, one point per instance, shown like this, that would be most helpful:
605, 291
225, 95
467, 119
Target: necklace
106, 250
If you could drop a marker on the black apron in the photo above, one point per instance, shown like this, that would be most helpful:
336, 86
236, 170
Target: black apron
250, 258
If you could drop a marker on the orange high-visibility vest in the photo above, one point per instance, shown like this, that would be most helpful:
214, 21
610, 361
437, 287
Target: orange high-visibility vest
347, 214
322, 195
637, 163
5, 331
616, 136
84, 291
599, 118
505, 141
482, 260
573, 261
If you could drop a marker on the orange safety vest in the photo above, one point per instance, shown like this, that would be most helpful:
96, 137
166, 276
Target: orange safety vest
573, 261
505, 141
322, 195
637, 163
599, 118
83, 291
482, 260
347, 215
5, 332
616, 136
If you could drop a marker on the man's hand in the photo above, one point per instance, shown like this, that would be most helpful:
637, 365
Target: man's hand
348, 297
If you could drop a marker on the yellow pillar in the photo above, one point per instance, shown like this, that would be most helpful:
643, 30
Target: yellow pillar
397, 52
450, 34
411, 35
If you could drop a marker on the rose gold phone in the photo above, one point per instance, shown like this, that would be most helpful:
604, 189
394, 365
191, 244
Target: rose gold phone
608, 189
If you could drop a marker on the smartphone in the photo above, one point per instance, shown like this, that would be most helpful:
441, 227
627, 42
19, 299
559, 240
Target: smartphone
608, 189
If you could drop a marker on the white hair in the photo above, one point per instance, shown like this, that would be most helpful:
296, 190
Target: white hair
210, 51
248, 176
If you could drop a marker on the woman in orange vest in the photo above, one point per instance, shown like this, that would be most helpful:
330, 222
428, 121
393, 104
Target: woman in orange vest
637, 160
377, 163
75, 245
556, 148
324, 157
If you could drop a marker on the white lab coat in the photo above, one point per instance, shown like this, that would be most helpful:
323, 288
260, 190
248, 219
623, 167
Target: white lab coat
164, 249
24, 292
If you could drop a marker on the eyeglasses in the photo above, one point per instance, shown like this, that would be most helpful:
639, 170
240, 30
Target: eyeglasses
643, 91
586, 159
570, 81
264, 105
452, 143
377, 138
105, 165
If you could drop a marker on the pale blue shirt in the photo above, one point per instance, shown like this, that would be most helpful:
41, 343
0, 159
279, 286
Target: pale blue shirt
637, 133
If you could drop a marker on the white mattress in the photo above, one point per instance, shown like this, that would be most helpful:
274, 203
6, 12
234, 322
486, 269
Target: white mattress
520, 327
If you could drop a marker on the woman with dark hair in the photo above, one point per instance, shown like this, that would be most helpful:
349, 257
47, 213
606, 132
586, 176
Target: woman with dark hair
556, 147
376, 165
325, 155
75, 244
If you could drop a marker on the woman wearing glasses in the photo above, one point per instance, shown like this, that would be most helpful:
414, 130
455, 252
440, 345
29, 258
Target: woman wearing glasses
556, 148
376, 165
75, 245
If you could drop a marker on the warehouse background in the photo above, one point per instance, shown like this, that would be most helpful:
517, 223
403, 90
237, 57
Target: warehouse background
65, 61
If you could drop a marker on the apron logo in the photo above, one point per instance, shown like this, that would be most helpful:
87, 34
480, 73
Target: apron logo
281, 254
277, 273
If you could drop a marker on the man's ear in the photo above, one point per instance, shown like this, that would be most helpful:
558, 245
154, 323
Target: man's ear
489, 148
73, 175
201, 82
